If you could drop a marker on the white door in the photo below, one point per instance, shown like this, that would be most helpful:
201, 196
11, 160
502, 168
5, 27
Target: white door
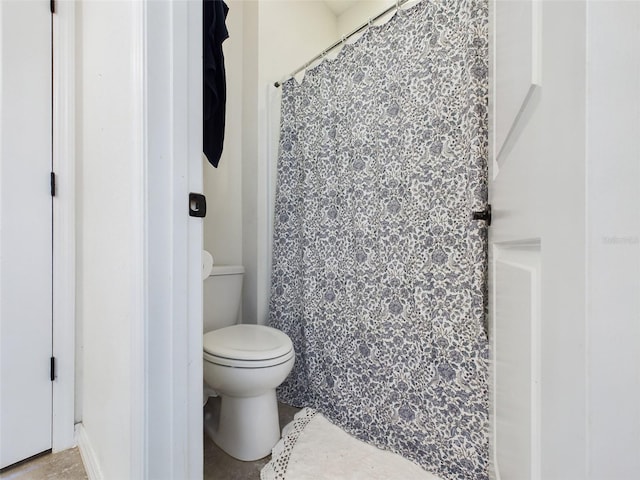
25, 230
537, 238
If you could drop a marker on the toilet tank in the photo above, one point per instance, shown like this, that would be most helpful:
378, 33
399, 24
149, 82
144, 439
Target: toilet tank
221, 296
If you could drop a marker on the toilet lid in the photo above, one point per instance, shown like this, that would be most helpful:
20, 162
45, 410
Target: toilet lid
247, 342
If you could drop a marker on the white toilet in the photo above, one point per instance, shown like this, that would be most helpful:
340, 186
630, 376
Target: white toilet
243, 364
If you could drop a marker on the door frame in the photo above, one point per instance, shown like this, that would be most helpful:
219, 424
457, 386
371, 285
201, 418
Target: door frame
172, 64
64, 229
166, 435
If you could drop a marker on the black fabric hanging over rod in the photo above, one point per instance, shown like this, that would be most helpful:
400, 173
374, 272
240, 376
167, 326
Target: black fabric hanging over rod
396, 6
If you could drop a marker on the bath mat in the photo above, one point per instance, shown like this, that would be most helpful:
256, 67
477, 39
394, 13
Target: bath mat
312, 448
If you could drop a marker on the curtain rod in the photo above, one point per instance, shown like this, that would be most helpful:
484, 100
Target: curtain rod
396, 7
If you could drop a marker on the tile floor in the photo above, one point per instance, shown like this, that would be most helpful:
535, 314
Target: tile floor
67, 465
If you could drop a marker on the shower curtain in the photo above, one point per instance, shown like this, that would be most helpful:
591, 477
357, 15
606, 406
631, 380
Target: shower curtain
379, 272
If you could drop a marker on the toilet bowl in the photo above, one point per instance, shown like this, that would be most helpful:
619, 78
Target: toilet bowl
244, 364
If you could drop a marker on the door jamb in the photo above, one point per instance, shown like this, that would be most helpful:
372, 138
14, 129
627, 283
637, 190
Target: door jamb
173, 249
64, 230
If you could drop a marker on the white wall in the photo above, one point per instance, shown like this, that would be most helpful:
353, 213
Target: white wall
250, 178
267, 39
360, 13
223, 186
290, 33
613, 235
109, 278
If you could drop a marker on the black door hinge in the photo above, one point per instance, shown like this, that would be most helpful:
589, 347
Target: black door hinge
53, 368
52, 6
484, 215
53, 184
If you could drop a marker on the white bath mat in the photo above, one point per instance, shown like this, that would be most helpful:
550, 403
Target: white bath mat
312, 448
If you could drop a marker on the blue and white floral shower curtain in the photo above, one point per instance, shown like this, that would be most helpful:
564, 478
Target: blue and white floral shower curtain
378, 269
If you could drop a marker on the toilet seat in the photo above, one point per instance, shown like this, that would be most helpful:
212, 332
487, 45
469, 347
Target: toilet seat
247, 346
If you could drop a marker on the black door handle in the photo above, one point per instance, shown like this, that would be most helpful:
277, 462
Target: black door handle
484, 215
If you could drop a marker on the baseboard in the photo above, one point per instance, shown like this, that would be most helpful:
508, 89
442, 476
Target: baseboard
88, 455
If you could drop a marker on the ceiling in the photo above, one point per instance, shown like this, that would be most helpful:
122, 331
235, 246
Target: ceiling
338, 7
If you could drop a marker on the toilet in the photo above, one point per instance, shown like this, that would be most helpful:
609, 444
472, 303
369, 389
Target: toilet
243, 365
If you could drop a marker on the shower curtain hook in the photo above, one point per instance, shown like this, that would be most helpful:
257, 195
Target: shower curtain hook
344, 37
369, 22
397, 5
